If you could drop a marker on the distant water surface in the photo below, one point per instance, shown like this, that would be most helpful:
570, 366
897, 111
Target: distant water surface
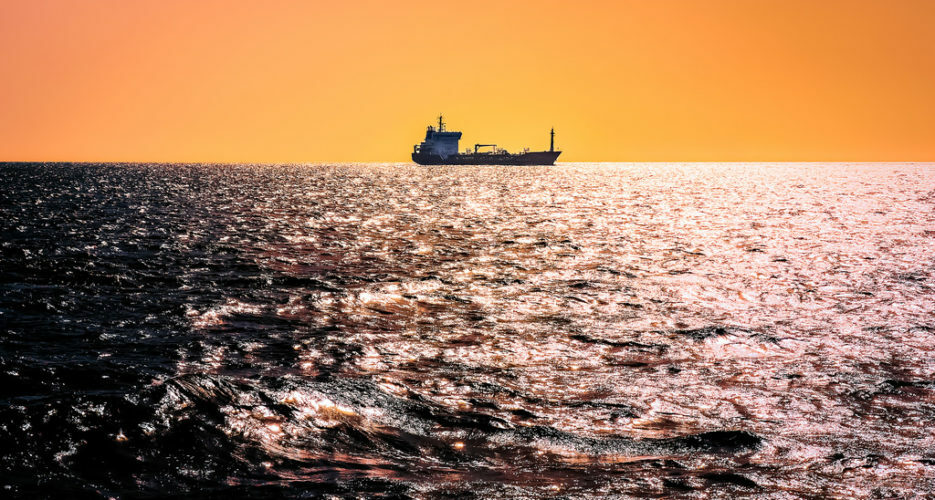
577, 330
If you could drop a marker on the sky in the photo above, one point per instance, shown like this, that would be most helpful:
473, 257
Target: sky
345, 81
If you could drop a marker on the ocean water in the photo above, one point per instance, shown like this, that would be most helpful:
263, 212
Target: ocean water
575, 330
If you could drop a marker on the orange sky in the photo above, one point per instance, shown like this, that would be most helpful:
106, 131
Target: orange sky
304, 81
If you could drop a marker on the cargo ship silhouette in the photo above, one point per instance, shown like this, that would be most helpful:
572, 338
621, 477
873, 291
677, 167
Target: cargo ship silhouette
440, 147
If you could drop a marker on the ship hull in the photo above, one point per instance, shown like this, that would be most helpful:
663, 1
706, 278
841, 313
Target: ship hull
532, 158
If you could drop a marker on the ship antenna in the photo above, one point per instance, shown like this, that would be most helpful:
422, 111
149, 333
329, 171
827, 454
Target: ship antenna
552, 141
441, 125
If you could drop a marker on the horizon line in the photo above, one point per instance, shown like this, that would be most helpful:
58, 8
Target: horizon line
378, 162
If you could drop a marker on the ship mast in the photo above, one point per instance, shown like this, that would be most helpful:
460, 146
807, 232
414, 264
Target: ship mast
552, 141
441, 124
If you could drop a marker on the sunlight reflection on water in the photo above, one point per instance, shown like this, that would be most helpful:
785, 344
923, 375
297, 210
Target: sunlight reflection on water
592, 328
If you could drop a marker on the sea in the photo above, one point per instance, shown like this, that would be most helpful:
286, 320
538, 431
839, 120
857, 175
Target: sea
388, 330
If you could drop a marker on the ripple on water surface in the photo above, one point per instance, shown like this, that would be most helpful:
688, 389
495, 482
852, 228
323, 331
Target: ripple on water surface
613, 329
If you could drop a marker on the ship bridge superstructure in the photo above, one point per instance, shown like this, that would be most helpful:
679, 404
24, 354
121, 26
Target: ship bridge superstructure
439, 141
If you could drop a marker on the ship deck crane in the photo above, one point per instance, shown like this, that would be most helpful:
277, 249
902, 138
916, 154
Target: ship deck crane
476, 146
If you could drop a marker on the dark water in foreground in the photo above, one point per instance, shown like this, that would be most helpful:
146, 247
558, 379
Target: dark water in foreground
577, 330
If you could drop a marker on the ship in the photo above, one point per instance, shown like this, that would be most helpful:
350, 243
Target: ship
440, 147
